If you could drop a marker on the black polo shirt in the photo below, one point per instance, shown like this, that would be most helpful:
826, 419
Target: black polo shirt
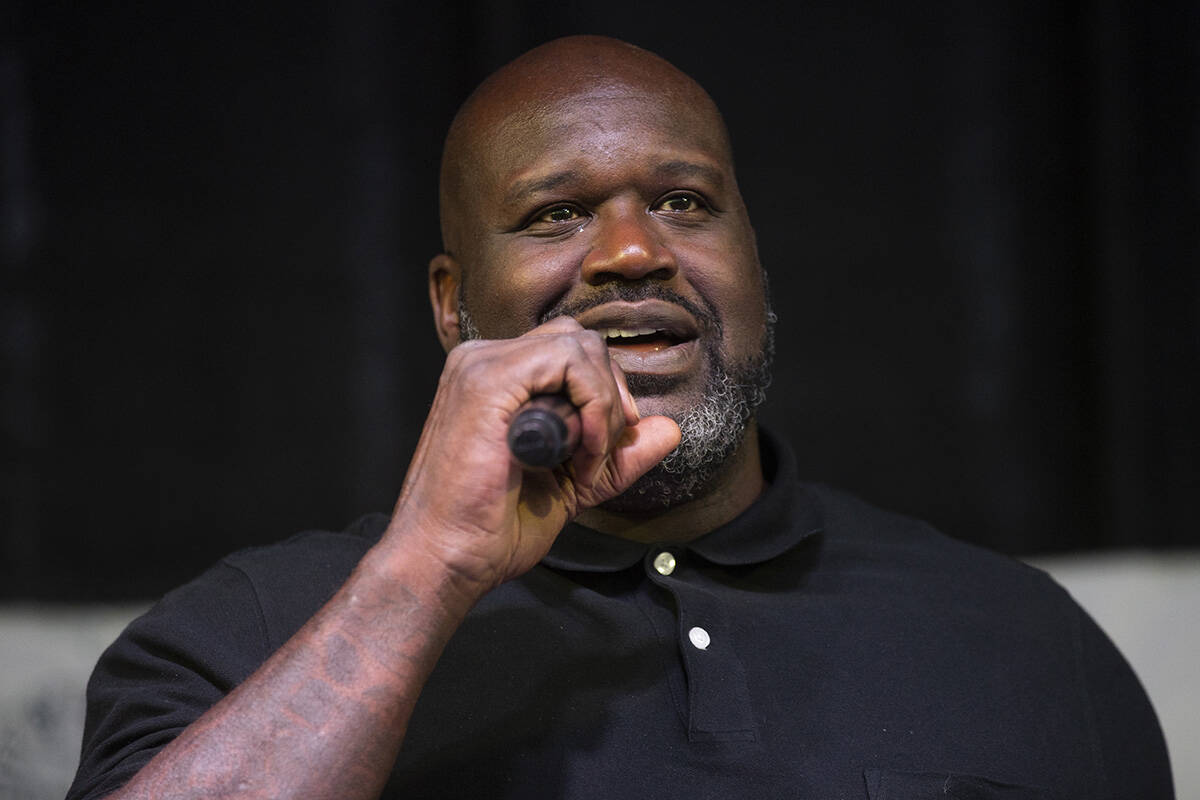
815, 647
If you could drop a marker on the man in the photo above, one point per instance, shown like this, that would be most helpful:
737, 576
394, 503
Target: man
670, 613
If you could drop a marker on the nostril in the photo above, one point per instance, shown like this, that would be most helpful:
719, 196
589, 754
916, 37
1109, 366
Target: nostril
610, 276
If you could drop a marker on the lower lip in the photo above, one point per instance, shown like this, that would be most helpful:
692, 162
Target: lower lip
677, 359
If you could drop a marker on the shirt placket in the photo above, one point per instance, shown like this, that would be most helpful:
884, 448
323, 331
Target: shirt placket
718, 699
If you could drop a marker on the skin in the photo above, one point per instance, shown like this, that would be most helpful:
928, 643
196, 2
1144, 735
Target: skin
325, 716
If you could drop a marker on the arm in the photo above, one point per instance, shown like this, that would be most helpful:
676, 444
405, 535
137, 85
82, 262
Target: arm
325, 715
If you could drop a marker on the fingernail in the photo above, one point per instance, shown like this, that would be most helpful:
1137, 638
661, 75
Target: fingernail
628, 394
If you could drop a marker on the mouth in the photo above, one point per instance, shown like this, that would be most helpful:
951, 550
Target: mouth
645, 325
639, 340
648, 336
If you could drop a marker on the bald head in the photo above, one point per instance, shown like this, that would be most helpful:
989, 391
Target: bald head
536, 88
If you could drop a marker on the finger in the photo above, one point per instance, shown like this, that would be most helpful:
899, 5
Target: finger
622, 400
628, 404
641, 447
625, 410
558, 325
594, 390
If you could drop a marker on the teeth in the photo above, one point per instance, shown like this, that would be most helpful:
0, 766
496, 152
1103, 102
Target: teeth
625, 333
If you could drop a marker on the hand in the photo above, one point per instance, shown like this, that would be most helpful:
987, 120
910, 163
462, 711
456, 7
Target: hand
468, 503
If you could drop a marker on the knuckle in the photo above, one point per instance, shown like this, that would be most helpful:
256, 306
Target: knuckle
467, 367
605, 407
463, 351
475, 372
574, 346
593, 342
563, 321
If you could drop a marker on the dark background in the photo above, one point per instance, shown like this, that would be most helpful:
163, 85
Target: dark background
980, 222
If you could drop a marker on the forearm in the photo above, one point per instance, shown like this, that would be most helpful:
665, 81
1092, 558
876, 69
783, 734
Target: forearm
326, 714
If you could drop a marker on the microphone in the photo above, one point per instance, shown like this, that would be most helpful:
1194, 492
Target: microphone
544, 432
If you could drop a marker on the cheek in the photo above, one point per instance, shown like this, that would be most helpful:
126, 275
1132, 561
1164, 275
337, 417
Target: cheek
510, 287
745, 319
730, 279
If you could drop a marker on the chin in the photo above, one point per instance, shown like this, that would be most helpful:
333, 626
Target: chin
653, 493
662, 489
692, 470
712, 423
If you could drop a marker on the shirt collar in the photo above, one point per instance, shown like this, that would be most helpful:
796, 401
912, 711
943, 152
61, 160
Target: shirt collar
785, 514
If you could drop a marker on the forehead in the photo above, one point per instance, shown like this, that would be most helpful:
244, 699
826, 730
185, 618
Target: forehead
606, 129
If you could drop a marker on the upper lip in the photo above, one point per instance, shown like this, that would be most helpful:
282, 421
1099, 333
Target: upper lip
641, 317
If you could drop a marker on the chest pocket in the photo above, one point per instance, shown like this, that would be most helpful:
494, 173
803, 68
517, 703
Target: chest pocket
883, 784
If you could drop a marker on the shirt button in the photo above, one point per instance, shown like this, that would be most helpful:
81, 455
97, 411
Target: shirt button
664, 563
700, 638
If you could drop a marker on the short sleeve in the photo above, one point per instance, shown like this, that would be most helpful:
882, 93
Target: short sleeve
166, 669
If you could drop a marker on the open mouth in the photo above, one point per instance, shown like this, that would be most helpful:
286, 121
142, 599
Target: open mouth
647, 337
642, 340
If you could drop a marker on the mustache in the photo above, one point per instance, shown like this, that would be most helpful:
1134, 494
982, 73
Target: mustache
706, 316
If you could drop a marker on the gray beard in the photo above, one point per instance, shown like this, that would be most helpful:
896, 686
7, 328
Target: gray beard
712, 430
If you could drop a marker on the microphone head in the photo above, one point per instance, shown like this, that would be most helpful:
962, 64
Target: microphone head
537, 438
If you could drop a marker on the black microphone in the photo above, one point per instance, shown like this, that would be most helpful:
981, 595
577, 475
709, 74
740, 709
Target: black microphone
544, 432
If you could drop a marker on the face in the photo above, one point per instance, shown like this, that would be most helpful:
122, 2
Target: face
620, 208
602, 192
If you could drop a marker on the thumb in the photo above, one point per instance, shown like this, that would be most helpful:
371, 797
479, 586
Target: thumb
640, 447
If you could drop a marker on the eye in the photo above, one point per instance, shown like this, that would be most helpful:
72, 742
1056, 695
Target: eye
681, 202
559, 213
554, 220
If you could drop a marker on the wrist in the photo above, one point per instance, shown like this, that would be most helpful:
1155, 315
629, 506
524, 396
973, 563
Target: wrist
408, 569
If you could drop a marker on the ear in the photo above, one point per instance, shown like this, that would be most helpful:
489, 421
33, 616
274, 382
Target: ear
445, 282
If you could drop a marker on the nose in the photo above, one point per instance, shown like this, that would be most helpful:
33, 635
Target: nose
626, 247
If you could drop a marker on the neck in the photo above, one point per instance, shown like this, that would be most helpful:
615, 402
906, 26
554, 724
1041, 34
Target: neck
737, 487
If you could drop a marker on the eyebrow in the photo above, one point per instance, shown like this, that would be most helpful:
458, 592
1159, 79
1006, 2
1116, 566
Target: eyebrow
676, 169
545, 183
691, 169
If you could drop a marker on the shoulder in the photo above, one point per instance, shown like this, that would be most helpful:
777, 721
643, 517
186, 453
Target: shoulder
314, 556
905, 557
850, 519
882, 552
290, 580
253, 600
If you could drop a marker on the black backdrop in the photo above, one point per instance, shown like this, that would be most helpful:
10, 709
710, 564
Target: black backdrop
980, 221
